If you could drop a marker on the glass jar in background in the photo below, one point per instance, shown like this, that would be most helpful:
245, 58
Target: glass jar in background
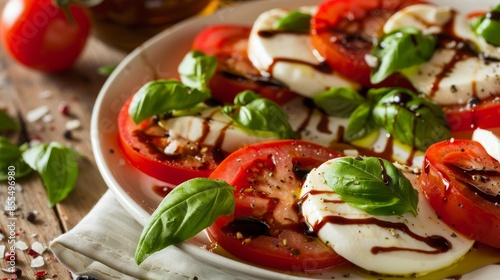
128, 23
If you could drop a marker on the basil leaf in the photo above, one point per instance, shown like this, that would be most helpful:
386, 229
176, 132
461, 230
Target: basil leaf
259, 114
401, 49
196, 69
163, 96
10, 155
8, 151
339, 102
294, 21
20, 167
411, 119
56, 164
360, 124
7, 123
106, 70
184, 212
488, 26
373, 185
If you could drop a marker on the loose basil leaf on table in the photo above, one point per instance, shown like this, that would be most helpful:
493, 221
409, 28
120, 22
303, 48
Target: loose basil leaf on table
410, 119
7, 123
196, 69
488, 26
11, 156
259, 114
294, 21
184, 212
163, 96
400, 49
373, 185
57, 166
339, 102
8, 150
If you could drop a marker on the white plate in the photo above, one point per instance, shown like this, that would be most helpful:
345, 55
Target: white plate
158, 58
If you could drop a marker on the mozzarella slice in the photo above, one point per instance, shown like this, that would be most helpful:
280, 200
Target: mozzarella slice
489, 140
289, 57
451, 76
388, 245
210, 128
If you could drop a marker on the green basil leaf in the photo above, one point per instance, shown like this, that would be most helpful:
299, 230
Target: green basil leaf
21, 169
360, 124
8, 151
245, 97
196, 69
184, 212
7, 123
260, 114
411, 119
488, 26
373, 185
163, 96
294, 21
57, 166
106, 70
339, 102
400, 49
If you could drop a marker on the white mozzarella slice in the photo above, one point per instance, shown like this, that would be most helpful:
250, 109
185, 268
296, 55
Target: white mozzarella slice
365, 241
315, 126
489, 140
449, 77
289, 57
212, 128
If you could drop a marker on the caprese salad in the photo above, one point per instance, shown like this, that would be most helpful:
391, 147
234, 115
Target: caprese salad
352, 133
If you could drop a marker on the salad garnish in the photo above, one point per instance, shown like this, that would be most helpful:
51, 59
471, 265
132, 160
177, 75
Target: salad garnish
162, 97
259, 114
294, 21
488, 26
401, 49
187, 210
411, 119
372, 184
165, 95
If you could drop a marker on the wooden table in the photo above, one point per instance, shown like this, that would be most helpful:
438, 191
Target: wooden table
22, 90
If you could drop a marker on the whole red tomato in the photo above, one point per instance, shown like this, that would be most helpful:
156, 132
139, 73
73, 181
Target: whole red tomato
40, 35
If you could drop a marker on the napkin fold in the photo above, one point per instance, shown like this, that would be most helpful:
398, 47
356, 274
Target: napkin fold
103, 244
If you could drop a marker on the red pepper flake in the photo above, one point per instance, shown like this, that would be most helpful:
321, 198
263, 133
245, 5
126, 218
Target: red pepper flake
10, 256
63, 108
41, 273
33, 253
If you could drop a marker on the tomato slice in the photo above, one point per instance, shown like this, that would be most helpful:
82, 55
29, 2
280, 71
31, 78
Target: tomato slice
344, 32
235, 71
462, 183
267, 228
484, 114
143, 146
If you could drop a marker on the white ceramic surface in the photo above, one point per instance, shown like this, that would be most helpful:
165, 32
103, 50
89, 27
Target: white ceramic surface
158, 58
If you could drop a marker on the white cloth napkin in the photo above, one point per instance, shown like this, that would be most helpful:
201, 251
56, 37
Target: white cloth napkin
102, 245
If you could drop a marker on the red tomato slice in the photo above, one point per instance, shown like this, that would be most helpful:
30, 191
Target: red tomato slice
344, 31
467, 118
143, 146
266, 227
235, 72
462, 183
